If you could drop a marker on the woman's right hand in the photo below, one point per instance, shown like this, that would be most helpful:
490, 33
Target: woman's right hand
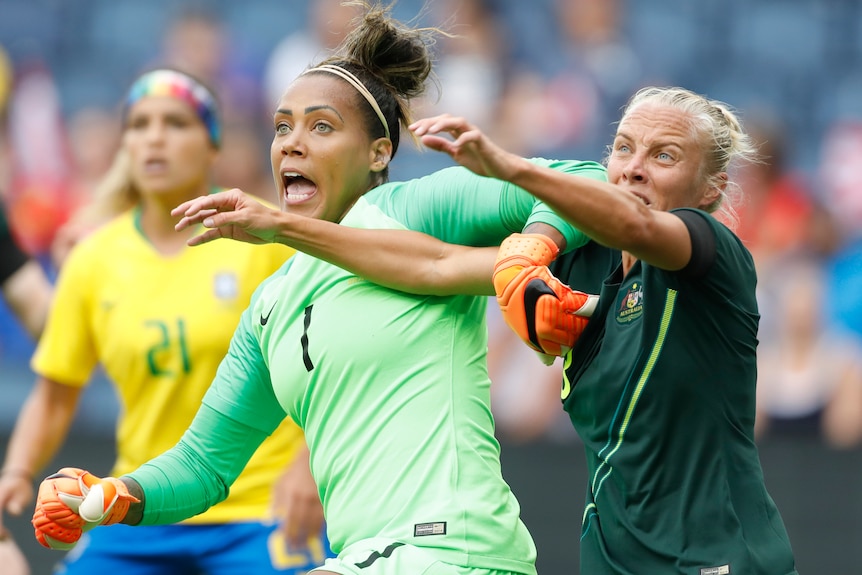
16, 493
232, 214
72, 501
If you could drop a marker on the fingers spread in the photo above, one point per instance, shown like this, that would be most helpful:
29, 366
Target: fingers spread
205, 237
182, 208
221, 201
195, 218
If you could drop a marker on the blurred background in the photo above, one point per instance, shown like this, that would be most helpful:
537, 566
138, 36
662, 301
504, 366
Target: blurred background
544, 78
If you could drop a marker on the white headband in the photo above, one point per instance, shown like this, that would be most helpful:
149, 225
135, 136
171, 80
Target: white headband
360, 87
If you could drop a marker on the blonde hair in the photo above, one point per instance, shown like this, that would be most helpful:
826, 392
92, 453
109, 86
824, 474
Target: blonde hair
114, 194
725, 143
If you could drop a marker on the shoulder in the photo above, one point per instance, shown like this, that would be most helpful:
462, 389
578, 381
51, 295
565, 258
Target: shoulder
272, 283
373, 215
104, 242
717, 253
120, 226
439, 182
725, 238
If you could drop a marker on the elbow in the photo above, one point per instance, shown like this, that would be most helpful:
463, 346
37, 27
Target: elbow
449, 278
436, 282
425, 281
438, 279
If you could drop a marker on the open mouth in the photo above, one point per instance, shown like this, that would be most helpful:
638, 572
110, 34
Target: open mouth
642, 198
155, 166
297, 188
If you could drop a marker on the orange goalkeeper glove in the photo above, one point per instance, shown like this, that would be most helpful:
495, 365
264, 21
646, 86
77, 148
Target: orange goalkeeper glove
546, 314
72, 501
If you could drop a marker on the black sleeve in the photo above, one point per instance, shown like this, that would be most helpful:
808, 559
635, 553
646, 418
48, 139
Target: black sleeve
702, 244
11, 256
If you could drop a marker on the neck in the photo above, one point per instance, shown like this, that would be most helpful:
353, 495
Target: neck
628, 261
157, 225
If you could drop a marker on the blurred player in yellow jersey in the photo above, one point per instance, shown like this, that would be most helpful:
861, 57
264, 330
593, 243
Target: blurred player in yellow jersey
158, 316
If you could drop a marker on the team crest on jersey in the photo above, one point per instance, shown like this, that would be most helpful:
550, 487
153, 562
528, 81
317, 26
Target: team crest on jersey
226, 286
632, 304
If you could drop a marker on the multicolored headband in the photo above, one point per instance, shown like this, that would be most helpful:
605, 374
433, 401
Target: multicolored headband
182, 86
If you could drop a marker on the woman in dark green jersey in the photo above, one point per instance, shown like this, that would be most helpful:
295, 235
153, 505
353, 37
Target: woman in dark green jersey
661, 383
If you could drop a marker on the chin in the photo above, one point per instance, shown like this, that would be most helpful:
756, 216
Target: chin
301, 210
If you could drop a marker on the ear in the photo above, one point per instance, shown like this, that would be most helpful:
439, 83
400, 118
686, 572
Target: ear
380, 154
714, 192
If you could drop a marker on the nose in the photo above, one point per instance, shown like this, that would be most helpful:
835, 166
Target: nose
155, 132
291, 144
634, 171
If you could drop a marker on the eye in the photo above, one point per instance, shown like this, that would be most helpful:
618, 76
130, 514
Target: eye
621, 148
665, 157
137, 123
322, 127
177, 122
282, 128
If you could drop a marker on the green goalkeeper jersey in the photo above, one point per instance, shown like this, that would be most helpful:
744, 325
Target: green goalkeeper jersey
391, 389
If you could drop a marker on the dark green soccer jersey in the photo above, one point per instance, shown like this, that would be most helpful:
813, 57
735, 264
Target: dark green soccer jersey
661, 388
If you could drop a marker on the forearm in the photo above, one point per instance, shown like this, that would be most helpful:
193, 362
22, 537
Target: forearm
401, 259
196, 473
172, 488
597, 208
28, 294
41, 427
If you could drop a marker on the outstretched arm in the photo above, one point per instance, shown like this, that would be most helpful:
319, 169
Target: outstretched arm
603, 211
400, 259
180, 483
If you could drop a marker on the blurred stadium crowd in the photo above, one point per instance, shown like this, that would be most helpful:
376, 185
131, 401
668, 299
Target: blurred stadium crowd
546, 78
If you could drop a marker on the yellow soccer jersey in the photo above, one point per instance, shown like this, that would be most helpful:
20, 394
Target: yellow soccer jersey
160, 325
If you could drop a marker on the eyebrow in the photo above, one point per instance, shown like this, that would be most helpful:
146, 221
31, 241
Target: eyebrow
664, 143
310, 109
